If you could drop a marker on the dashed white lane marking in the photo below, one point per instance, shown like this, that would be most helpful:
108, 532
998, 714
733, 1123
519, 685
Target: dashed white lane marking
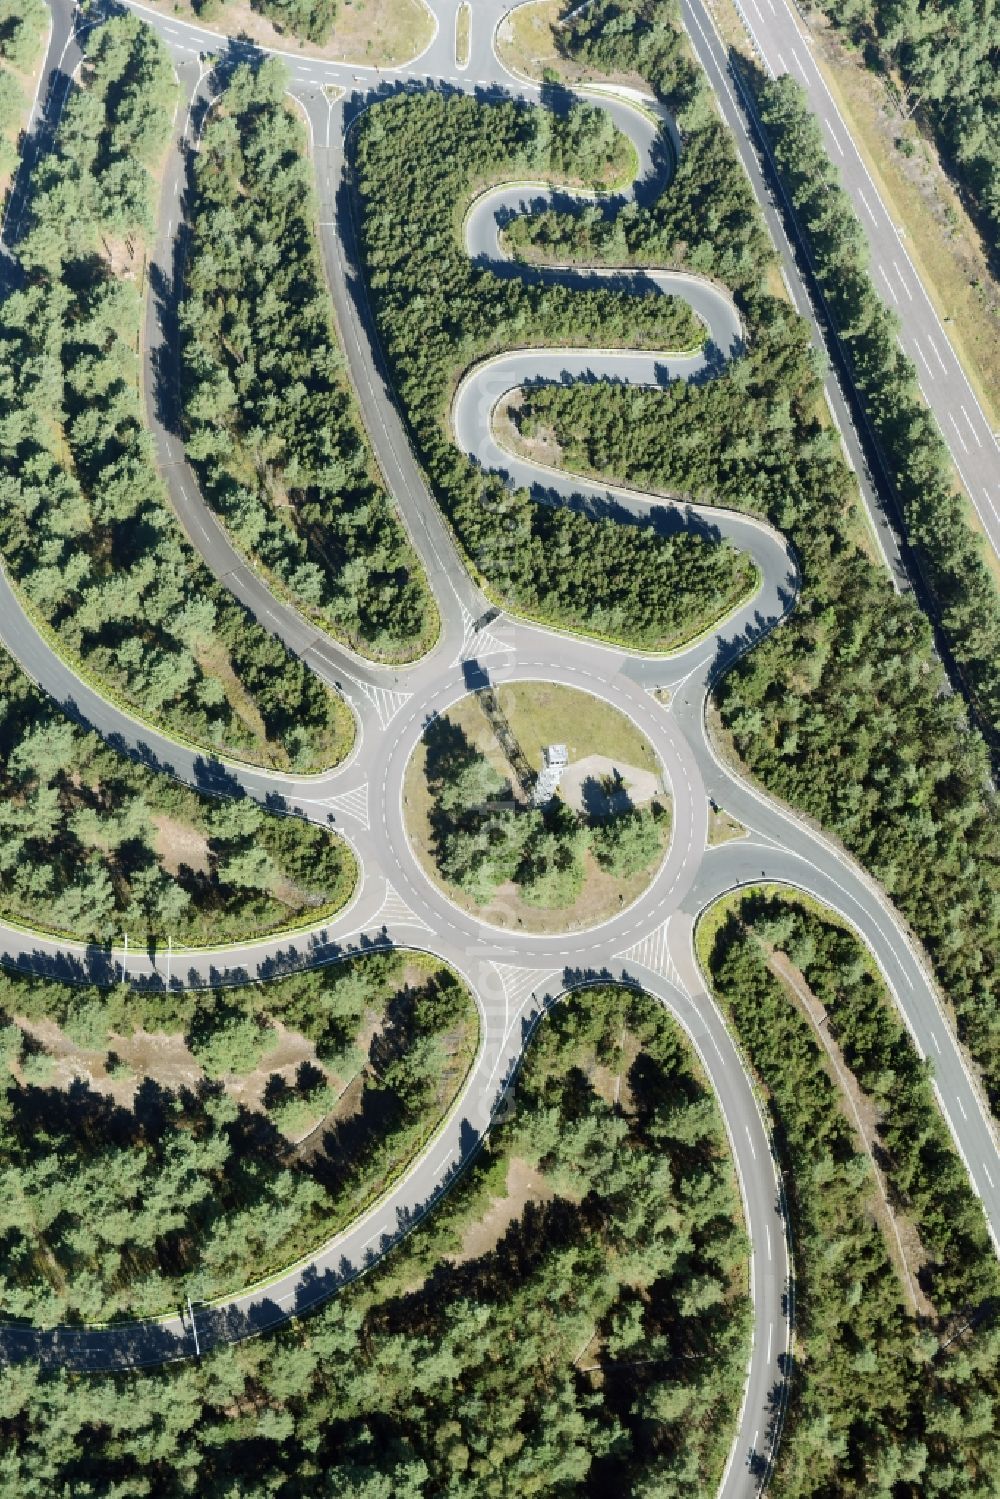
986, 1173
443, 1163
958, 433
937, 1044
378, 1234
972, 429
781, 61
750, 1141
937, 356
962, 1110
868, 207
770, 1332
923, 361
767, 1230
902, 279
889, 286
834, 137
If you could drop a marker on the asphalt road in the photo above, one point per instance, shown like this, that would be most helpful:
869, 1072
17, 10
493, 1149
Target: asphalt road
514, 976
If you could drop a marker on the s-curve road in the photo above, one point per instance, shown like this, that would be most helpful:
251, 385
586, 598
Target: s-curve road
514, 976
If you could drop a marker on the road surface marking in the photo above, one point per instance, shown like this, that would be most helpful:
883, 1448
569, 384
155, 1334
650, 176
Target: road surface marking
443, 1163
972, 429
376, 1235
834, 137
962, 1107
770, 1330
767, 1230
937, 1044
965, 447
923, 361
902, 280
750, 1139
889, 285
987, 1174
781, 61
937, 356
868, 207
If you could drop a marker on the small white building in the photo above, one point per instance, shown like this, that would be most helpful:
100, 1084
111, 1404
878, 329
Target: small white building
555, 758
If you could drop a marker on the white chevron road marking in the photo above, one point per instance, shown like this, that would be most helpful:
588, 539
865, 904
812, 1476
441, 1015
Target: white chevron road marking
652, 952
385, 700
352, 803
395, 912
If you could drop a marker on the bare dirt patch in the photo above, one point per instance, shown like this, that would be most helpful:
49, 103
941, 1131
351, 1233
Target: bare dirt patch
524, 1184
177, 843
621, 785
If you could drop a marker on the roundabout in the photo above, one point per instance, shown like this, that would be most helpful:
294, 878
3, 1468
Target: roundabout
644, 939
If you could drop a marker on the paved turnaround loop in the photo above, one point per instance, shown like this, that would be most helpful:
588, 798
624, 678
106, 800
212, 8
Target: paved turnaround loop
513, 976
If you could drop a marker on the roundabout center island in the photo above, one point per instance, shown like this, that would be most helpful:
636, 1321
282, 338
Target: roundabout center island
537, 806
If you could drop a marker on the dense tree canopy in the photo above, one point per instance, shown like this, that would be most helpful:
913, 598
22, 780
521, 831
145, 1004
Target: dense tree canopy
85, 526
186, 1182
95, 846
590, 1339
272, 424
884, 1404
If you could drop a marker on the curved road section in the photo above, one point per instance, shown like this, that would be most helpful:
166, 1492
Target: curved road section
513, 976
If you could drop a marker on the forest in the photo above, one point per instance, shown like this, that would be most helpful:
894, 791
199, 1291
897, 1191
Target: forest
616, 1288
844, 711
483, 837
218, 1161
86, 530
889, 1400
273, 427
946, 58
95, 846
949, 553
439, 313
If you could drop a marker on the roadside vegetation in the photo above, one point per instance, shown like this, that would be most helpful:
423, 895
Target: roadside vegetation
86, 530
95, 846
884, 1401
843, 711
943, 61
569, 863
949, 553
273, 427
439, 313
22, 36
139, 1187
573, 1315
